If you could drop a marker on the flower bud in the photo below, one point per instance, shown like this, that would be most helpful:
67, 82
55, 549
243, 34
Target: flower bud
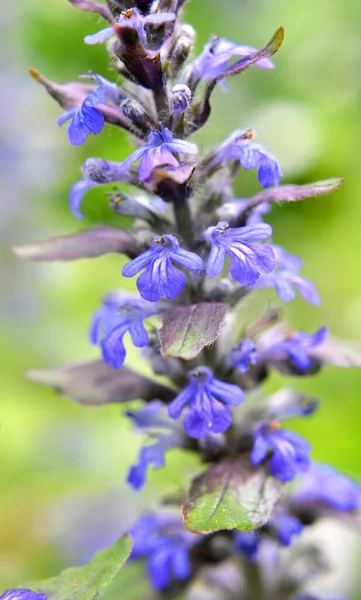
135, 112
180, 98
102, 171
182, 48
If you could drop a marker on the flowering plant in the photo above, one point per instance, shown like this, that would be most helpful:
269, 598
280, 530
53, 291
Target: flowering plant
197, 253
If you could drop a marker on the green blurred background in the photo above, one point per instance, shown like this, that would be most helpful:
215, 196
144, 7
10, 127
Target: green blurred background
63, 465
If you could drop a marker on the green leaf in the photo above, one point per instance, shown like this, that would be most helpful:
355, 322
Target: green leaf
188, 329
232, 494
95, 383
89, 582
88, 243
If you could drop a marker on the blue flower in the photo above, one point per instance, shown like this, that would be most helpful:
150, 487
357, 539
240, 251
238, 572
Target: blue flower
21, 594
289, 450
206, 397
286, 276
158, 151
113, 321
164, 542
285, 526
216, 56
324, 487
296, 348
132, 19
231, 209
86, 119
239, 146
96, 171
152, 420
244, 356
248, 261
160, 277
247, 543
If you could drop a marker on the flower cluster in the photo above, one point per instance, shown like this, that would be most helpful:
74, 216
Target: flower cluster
196, 253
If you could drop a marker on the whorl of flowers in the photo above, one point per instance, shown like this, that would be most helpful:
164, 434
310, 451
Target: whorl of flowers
195, 253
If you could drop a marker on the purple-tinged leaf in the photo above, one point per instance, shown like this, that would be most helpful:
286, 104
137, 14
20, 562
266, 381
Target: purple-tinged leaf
269, 50
89, 582
232, 494
241, 65
145, 66
68, 95
289, 193
188, 329
71, 95
95, 7
88, 243
94, 383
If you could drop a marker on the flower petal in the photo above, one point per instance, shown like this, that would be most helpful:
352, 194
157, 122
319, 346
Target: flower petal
188, 259
179, 403
100, 36
138, 333
227, 392
137, 264
161, 279
216, 260
249, 261
307, 290
76, 195
155, 157
259, 450
182, 147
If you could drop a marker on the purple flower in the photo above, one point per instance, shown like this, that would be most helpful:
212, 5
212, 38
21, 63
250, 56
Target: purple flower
233, 208
239, 146
164, 542
289, 450
180, 98
86, 119
248, 261
294, 348
206, 397
152, 420
216, 56
244, 356
96, 171
21, 594
131, 18
160, 277
247, 543
324, 487
113, 321
286, 276
288, 404
159, 150
285, 526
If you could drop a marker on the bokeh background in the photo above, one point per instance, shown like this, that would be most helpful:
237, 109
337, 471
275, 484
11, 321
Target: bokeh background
62, 465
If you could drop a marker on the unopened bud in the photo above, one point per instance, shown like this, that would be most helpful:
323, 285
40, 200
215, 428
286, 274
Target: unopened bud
182, 48
179, 99
102, 171
133, 110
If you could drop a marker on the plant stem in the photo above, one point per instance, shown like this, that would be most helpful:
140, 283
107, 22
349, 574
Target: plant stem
253, 582
184, 221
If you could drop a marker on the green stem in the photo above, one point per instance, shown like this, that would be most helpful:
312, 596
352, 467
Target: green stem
184, 221
253, 582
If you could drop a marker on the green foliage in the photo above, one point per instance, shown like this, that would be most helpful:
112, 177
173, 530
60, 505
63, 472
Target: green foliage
231, 494
89, 582
188, 329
